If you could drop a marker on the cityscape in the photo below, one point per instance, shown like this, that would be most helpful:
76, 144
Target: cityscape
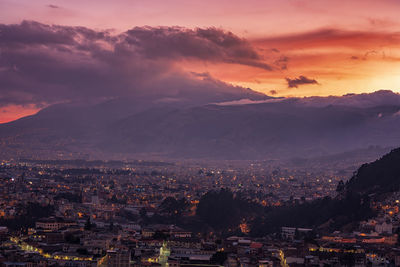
199, 133
149, 213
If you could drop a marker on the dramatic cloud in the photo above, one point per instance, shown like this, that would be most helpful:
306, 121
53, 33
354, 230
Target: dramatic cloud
46, 64
333, 38
301, 80
204, 44
250, 102
375, 99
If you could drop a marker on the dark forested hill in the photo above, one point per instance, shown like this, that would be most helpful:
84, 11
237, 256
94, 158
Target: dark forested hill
372, 182
380, 176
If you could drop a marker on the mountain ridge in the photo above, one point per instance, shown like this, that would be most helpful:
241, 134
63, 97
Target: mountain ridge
274, 129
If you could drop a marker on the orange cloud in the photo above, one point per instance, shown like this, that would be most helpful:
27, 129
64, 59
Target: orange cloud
324, 38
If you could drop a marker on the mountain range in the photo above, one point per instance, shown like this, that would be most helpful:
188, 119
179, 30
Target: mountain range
238, 124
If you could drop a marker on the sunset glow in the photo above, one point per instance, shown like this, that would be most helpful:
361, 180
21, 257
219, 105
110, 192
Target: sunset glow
344, 46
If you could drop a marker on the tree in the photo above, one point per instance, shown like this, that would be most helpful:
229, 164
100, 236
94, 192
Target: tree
297, 235
222, 210
27, 214
217, 209
82, 251
219, 257
70, 238
158, 235
88, 224
173, 207
348, 259
398, 236
340, 187
143, 213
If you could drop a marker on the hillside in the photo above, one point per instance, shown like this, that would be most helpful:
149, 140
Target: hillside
372, 181
270, 129
378, 177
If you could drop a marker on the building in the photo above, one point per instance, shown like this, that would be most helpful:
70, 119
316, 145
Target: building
118, 258
53, 223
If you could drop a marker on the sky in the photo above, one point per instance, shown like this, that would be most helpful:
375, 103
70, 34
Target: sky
68, 50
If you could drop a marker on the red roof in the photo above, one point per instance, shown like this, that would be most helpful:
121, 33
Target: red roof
256, 245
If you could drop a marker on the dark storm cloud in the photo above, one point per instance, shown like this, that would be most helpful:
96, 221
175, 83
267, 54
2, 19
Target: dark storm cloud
33, 33
204, 44
53, 6
301, 80
48, 63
